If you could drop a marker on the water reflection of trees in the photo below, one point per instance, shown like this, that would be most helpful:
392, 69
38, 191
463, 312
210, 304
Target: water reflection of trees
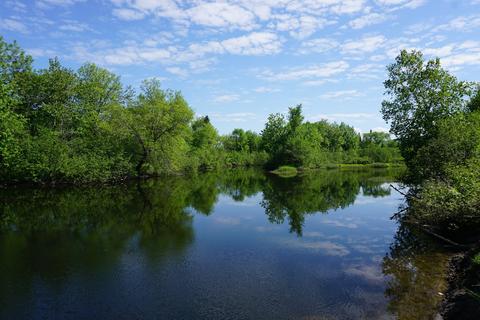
50, 233
416, 268
47, 233
319, 191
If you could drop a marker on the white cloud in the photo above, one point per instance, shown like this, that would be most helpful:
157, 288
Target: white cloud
256, 43
380, 129
177, 71
367, 68
16, 5
367, 20
365, 44
343, 94
37, 52
233, 117
461, 59
13, 25
74, 26
214, 14
462, 23
52, 3
266, 90
439, 52
302, 26
299, 18
319, 45
315, 83
347, 6
399, 4
226, 98
128, 14
337, 117
316, 71
198, 56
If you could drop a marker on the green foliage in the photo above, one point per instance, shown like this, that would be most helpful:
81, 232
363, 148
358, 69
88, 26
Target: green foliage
474, 103
457, 141
60, 125
421, 94
158, 123
313, 145
452, 203
476, 259
319, 191
438, 129
286, 171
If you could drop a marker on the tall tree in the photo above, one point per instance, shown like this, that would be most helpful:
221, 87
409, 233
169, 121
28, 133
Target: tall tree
158, 121
420, 94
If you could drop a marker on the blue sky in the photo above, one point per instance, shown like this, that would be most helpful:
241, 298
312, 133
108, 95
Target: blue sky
240, 60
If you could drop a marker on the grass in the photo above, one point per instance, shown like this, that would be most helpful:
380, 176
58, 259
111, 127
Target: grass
286, 171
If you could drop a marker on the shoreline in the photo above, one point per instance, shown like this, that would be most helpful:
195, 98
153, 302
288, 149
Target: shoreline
54, 184
463, 275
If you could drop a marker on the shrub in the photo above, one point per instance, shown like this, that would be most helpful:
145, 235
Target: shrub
286, 171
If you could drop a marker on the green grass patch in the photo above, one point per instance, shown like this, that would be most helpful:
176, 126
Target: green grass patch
286, 171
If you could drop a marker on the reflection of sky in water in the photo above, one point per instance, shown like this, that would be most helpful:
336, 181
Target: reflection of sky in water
332, 270
228, 262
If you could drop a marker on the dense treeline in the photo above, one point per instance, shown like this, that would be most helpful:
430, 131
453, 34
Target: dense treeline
291, 141
436, 119
61, 125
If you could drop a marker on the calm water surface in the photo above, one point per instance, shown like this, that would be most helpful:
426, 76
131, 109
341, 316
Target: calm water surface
232, 245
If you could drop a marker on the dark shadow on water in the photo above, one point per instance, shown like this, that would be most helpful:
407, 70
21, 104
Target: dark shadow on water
416, 267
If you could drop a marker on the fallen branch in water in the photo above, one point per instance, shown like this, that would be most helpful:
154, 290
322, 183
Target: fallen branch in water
429, 231
403, 193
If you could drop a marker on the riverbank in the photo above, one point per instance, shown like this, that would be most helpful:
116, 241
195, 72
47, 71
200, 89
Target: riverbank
462, 299
290, 171
295, 171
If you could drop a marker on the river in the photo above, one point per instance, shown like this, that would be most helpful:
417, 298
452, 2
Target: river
241, 244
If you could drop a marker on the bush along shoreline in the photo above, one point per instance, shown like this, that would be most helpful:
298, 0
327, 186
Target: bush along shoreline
64, 126
436, 120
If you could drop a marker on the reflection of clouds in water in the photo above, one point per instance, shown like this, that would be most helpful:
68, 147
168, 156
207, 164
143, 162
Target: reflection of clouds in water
371, 273
366, 200
266, 229
363, 248
247, 202
227, 221
316, 234
375, 302
338, 223
326, 247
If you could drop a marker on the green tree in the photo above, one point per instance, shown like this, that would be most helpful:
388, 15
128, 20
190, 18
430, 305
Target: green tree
274, 133
421, 94
204, 134
158, 121
381, 139
474, 104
